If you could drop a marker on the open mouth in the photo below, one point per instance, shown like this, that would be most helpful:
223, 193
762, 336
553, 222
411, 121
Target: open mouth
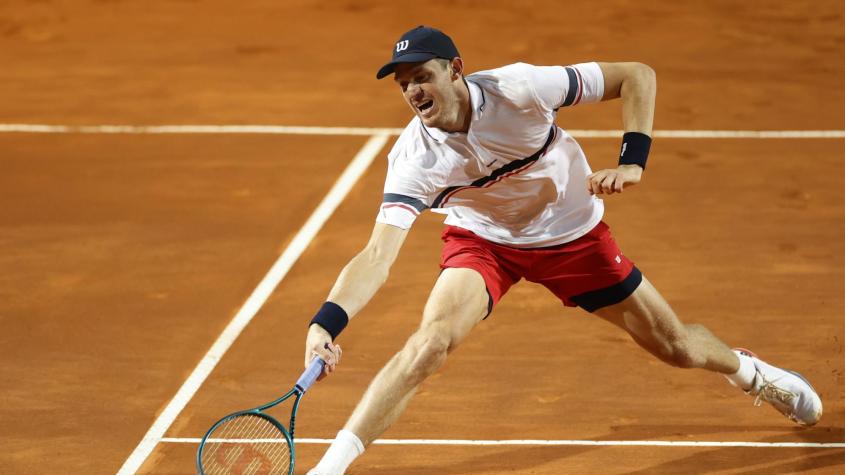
425, 106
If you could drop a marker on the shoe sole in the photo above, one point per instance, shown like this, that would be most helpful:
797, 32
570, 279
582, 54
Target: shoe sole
746, 352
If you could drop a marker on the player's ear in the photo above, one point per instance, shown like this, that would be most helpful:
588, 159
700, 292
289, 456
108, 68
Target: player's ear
456, 67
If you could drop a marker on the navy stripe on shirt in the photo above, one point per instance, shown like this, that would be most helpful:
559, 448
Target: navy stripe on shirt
510, 167
397, 198
572, 93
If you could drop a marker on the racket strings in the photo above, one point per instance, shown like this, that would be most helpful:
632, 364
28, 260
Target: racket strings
246, 445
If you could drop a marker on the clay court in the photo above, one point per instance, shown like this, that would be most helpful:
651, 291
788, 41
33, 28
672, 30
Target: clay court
127, 251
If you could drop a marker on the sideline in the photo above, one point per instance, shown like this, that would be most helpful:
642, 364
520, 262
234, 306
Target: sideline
256, 300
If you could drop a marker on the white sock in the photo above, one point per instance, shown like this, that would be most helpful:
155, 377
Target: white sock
744, 377
341, 453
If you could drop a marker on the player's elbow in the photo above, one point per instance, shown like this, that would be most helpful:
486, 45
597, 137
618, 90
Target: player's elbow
636, 72
645, 69
638, 80
643, 72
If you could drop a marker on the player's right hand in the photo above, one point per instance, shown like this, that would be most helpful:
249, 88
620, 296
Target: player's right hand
319, 343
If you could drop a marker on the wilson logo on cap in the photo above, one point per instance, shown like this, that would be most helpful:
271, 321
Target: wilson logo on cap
428, 43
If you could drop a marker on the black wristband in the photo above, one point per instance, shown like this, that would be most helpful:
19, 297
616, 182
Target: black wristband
332, 318
635, 147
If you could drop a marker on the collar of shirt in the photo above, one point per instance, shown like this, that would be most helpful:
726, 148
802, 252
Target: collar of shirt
476, 101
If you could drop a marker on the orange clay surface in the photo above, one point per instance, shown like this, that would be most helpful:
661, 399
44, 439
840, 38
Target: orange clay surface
124, 256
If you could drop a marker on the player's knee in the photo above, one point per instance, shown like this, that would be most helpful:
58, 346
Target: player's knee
682, 353
427, 351
682, 357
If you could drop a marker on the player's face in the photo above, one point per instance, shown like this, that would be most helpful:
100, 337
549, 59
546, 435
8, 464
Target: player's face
429, 89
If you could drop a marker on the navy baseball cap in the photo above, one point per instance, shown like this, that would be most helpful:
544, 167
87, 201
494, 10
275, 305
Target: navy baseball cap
418, 45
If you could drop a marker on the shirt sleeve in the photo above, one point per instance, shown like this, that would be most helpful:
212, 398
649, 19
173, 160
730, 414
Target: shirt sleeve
405, 191
563, 86
400, 210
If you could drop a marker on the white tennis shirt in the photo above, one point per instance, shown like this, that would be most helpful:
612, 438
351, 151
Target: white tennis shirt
514, 178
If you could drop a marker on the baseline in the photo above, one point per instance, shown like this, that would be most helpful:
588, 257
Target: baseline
369, 131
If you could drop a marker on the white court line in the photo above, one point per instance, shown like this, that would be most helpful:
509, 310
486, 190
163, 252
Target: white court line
262, 292
644, 443
308, 130
195, 129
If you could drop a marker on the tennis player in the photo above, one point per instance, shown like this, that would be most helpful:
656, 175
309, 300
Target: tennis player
520, 202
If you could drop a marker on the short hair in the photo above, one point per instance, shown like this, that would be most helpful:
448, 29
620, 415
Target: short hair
446, 64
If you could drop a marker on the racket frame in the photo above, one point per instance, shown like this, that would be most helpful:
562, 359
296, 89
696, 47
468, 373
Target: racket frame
303, 384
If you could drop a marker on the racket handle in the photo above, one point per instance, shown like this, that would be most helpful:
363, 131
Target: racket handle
311, 374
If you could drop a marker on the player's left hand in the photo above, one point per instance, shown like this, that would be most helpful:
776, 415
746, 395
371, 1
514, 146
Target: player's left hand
614, 180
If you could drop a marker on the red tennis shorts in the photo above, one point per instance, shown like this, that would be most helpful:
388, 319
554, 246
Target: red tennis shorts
589, 272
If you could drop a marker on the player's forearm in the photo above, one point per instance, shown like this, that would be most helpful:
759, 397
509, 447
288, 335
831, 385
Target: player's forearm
359, 281
638, 91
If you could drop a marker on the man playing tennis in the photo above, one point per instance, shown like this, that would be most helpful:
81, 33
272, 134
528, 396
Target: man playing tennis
520, 201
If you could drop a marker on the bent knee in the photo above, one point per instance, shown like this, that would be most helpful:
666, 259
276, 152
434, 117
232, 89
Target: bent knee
682, 353
682, 357
426, 351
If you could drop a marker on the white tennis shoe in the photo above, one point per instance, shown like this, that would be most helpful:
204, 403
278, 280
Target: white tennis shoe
787, 391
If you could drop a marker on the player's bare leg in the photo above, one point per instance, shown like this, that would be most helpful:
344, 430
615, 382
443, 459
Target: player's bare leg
652, 323
456, 304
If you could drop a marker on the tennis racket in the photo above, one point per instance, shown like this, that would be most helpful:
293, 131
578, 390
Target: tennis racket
252, 442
